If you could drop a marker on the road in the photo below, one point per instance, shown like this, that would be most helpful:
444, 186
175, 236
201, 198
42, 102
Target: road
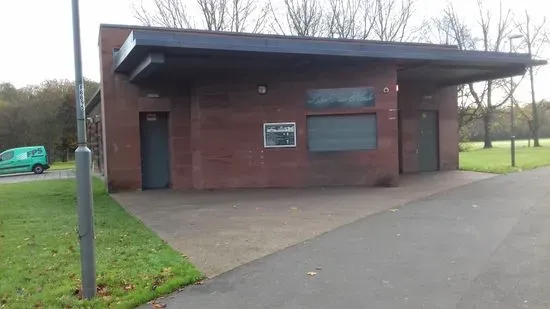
48, 175
483, 245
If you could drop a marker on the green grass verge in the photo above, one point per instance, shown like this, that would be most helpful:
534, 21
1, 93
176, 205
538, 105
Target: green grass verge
497, 159
39, 251
59, 166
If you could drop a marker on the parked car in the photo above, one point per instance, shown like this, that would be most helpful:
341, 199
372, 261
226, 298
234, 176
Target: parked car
24, 160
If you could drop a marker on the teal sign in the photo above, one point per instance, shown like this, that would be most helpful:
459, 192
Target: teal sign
338, 98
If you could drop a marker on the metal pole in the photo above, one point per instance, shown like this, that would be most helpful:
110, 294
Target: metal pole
512, 128
512, 118
533, 102
83, 157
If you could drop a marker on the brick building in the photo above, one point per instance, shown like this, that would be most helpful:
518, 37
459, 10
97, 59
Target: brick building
197, 110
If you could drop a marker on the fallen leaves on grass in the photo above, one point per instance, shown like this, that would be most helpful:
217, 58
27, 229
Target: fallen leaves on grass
129, 287
101, 291
156, 283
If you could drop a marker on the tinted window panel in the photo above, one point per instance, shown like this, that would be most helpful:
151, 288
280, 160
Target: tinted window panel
342, 132
338, 98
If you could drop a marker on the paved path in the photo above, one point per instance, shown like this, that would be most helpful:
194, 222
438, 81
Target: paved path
221, 230
48, 175
484, 245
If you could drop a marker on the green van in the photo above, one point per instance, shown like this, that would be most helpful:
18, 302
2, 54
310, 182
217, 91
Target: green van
24, 160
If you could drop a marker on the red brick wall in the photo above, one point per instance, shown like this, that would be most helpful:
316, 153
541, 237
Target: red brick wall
120, 118
227, 117
448, 129
413, 99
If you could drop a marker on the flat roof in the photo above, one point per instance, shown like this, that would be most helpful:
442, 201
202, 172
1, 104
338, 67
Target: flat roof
146, 49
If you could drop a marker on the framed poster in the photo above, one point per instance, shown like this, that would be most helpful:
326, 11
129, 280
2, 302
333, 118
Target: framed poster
279, 134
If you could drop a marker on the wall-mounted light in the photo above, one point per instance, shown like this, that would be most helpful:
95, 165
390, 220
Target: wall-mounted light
386, 90
397, 88
262, 89
153, 95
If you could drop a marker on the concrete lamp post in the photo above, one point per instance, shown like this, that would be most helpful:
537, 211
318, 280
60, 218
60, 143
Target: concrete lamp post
512, 112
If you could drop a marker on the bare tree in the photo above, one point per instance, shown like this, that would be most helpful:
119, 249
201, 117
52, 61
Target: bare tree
216, 15
343, 18
391, 18
300, 17
350, 19
528, 116
248, 15
493, 30
467, 112
384, 20
165, 13
535, 38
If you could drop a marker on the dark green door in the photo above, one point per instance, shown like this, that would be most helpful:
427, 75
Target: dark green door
155, 157
428, 154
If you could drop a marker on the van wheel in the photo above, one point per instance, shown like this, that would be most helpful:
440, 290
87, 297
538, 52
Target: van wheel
38, 169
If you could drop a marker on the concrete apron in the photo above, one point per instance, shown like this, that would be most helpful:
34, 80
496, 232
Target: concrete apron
221, 230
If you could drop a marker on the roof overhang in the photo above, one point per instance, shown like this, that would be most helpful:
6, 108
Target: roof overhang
147, 50
95, 100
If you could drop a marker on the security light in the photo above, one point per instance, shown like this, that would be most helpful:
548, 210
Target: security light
262, 89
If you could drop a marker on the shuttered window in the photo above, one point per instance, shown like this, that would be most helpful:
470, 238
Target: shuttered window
342, 132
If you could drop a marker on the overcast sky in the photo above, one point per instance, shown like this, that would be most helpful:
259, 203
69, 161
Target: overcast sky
36, 36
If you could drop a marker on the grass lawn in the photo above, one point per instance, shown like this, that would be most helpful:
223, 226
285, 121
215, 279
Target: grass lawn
497, 159
39, 251
58, 166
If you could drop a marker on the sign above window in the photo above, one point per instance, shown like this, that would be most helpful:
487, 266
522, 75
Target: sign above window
151, 117
338, 98
280, 135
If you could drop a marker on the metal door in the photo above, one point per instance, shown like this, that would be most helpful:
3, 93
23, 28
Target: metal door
428, 148
155, 156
